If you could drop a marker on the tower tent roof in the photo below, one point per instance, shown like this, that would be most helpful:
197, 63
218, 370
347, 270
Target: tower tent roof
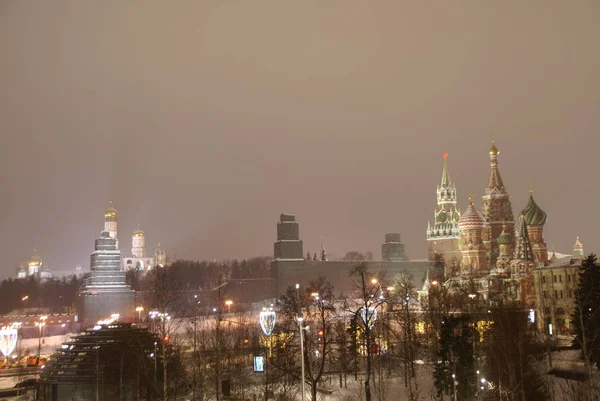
445, 173
495, 180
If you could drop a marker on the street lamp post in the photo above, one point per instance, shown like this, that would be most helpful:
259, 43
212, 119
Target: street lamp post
41, 325
301, 327
139, 310
454, 385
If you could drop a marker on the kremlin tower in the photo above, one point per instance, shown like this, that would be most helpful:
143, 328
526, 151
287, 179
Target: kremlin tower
442, 237
472, 227
496, 208
106, 292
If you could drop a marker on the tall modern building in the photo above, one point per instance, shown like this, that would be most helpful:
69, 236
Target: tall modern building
106, 292
442, 236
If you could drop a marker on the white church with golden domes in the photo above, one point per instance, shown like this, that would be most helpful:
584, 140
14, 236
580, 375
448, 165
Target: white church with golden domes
138, 259
34, 267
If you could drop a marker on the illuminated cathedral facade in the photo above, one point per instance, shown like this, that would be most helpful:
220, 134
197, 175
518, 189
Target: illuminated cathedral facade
138, 259
490, 253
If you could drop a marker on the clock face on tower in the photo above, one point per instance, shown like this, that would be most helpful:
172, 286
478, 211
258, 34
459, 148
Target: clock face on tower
442, 216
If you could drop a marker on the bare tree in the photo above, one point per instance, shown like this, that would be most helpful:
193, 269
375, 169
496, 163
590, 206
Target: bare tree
406, 312
316, 303
368, 298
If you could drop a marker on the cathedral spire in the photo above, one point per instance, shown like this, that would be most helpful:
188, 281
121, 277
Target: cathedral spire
445, 173
523, 247
495, 180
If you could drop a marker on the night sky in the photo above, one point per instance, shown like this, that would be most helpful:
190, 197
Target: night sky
207, 119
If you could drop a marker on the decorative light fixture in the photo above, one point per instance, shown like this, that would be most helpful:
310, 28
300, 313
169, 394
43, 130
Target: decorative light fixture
368, 316
267, 319
8, 340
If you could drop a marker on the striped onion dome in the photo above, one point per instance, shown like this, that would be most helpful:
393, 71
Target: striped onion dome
471, 218
533, 214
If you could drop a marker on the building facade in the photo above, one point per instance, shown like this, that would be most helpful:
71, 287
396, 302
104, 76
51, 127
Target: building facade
555, 286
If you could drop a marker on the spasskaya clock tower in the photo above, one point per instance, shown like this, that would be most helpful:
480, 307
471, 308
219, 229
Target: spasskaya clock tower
442, 236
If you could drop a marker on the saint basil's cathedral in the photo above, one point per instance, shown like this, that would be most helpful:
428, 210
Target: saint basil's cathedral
489, 253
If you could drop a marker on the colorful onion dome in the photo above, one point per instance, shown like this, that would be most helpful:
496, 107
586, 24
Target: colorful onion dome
504, 237
471, 218
533, 214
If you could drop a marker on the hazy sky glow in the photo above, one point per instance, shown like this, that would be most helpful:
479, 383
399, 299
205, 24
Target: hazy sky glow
206, 119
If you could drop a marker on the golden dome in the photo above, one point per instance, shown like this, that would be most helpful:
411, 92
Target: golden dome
35, 260
493, 149
138, 233
111, 211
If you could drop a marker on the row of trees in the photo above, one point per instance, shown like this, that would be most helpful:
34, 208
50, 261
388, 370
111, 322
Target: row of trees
386, 331
56, 293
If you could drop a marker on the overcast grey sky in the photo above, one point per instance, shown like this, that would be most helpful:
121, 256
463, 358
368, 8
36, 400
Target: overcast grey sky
206, 119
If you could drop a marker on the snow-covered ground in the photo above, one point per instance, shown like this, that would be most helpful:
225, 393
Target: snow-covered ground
48, 344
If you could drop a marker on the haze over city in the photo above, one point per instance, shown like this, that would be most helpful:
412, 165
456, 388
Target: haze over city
206, 120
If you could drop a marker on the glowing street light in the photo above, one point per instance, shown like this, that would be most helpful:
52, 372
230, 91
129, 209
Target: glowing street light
302, 328
229, 302
139, 310
454, 386
41, 325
